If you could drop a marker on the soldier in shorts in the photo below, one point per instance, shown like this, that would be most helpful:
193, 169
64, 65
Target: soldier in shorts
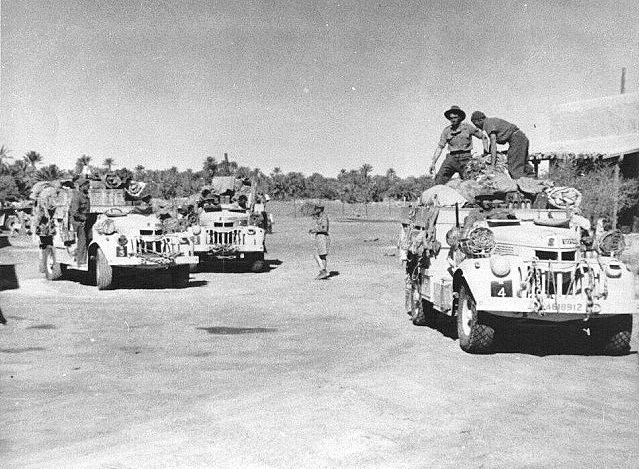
322, 240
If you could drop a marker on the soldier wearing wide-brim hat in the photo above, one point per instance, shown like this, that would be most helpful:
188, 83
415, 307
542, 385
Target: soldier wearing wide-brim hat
458, 136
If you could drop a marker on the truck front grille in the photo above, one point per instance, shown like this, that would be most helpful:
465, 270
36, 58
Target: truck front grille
235, 237
141, 246
560, 279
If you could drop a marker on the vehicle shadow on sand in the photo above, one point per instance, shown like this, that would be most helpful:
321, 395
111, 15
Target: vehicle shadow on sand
233, 267
236, 330
134, 280
529, 339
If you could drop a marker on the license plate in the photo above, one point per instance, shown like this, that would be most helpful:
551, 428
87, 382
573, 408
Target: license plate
563, 307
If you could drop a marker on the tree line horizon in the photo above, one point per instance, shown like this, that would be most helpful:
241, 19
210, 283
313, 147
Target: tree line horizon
349, 185
591, 178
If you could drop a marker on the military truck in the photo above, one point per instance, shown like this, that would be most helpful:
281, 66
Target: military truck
228, 228
122, 237
522, 265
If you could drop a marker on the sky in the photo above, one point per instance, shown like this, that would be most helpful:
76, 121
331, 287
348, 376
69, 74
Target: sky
308, 85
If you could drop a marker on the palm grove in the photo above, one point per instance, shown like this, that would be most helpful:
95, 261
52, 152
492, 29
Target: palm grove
17, 176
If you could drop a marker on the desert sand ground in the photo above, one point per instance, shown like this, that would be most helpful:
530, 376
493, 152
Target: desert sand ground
276, 370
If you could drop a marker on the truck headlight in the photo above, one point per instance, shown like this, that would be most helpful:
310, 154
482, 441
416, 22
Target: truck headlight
122, 240
250, 231
499, 265
613, 269
480, 241
196, 229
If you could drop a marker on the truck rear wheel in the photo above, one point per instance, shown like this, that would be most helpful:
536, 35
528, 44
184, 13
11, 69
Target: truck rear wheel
180, 276
474, 337
52, 269
258, 266
612, 337
103, 271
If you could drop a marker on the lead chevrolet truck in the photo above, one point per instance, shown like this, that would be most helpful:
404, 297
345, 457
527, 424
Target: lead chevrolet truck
121, 239
529, 267
228, 232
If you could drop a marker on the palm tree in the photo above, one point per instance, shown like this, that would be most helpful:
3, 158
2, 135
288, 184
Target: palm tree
82, 164
108, 163
49, 173
33, 157
4, 155
364, 172
210, 168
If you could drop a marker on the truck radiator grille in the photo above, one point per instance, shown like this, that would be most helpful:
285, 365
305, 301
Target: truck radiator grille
555, 280
141, 246
235, 237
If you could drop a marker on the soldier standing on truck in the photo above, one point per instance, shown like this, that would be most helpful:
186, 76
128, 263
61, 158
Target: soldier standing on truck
501, 132
78, 212
322, 240
459, 138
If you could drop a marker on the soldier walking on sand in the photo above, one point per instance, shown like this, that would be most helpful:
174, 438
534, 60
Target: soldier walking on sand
322, 240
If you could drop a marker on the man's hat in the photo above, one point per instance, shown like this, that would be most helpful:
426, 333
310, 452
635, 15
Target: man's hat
455, 110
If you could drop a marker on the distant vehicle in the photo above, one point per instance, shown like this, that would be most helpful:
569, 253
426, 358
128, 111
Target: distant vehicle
228, 228
121, 239
532, 268
8, 218
16, 217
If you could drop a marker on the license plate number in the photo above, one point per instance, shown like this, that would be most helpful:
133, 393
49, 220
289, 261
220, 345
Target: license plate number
563, 307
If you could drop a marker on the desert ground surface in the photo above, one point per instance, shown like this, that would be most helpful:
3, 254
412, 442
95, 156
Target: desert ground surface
277, 370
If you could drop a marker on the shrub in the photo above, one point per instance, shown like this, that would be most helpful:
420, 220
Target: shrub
595, 181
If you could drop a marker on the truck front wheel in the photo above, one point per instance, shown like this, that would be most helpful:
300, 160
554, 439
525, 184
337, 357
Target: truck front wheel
612, 336
258, 266
180, 276
103, 271
473, 336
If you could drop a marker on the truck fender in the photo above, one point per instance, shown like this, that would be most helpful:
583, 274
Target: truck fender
93, 248
474, 278
458, 281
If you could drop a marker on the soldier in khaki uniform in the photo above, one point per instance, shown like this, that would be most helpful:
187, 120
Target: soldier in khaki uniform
78, 211
458, 136
502, 132
322, 240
